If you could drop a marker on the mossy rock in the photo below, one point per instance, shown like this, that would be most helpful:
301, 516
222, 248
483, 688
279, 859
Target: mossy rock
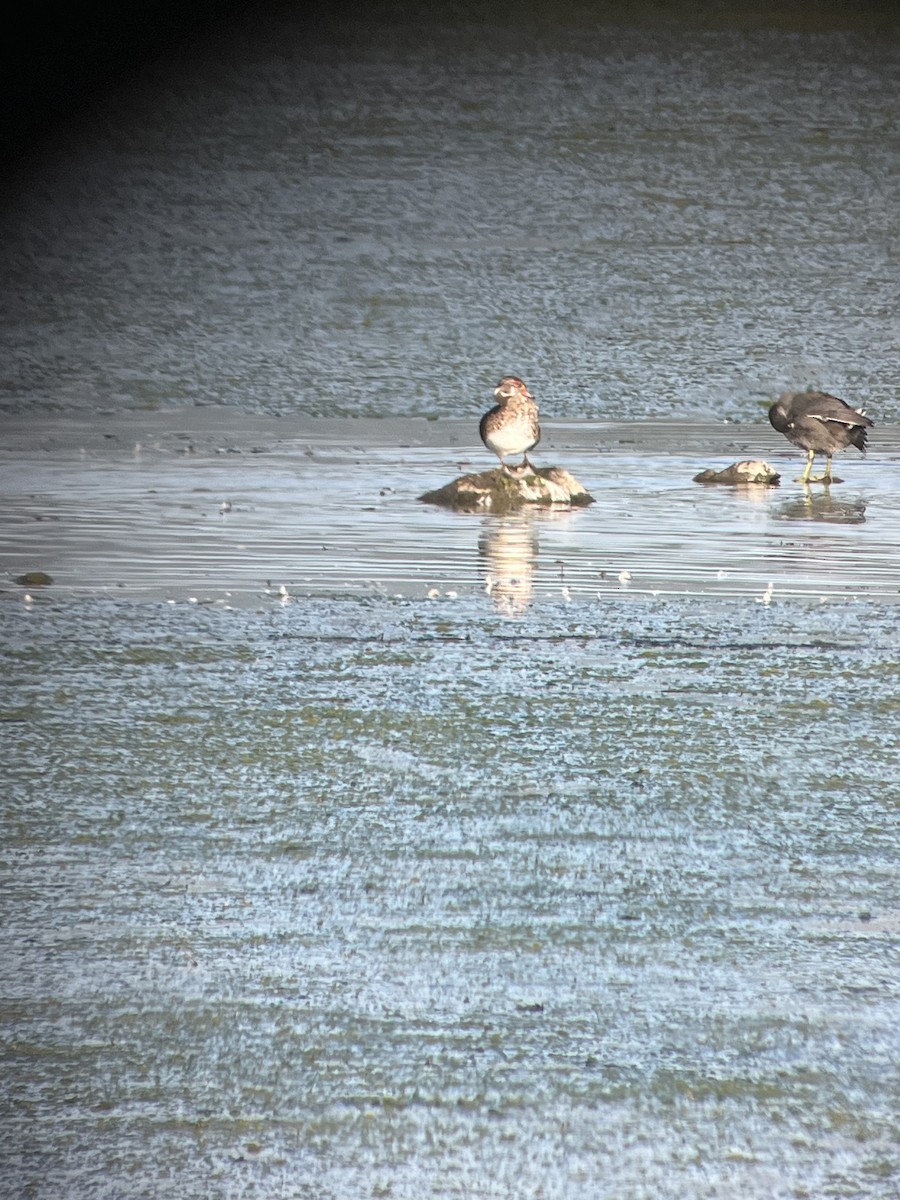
749, 470
498, 492
35, 579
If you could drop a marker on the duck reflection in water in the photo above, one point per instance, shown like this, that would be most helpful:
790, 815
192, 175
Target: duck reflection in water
507, 553
822, 507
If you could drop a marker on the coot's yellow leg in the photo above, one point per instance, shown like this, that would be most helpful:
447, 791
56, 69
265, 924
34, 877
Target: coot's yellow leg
825, 477
810, 459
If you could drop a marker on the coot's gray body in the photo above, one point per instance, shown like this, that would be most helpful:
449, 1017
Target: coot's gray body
819, 424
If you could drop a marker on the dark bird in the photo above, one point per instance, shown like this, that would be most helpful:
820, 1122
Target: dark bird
819, 424
511, 426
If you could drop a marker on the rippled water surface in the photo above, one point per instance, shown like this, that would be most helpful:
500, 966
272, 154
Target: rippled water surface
228, 510
343, 898
383, 214
354, 848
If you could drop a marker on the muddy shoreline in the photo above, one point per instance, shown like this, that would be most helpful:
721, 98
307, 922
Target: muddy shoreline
211, 430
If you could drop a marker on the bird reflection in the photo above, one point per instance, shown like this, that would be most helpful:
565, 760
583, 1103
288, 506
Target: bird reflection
822, 507
507, 552
754, 493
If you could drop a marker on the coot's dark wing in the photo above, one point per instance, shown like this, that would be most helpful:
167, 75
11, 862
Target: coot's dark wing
822, 407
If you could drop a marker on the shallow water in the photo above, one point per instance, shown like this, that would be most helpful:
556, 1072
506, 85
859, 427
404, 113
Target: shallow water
360, 897
230, 510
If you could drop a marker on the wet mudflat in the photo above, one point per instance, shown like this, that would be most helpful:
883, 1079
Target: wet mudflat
361, 896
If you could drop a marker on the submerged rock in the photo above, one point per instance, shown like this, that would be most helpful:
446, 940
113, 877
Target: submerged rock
35, 579
498, 492
749, 470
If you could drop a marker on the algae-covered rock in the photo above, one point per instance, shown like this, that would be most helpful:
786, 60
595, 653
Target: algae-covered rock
35, 579
499, 492
749, 470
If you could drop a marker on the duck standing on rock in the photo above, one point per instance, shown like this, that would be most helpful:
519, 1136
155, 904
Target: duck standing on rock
511, 426
819, 424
